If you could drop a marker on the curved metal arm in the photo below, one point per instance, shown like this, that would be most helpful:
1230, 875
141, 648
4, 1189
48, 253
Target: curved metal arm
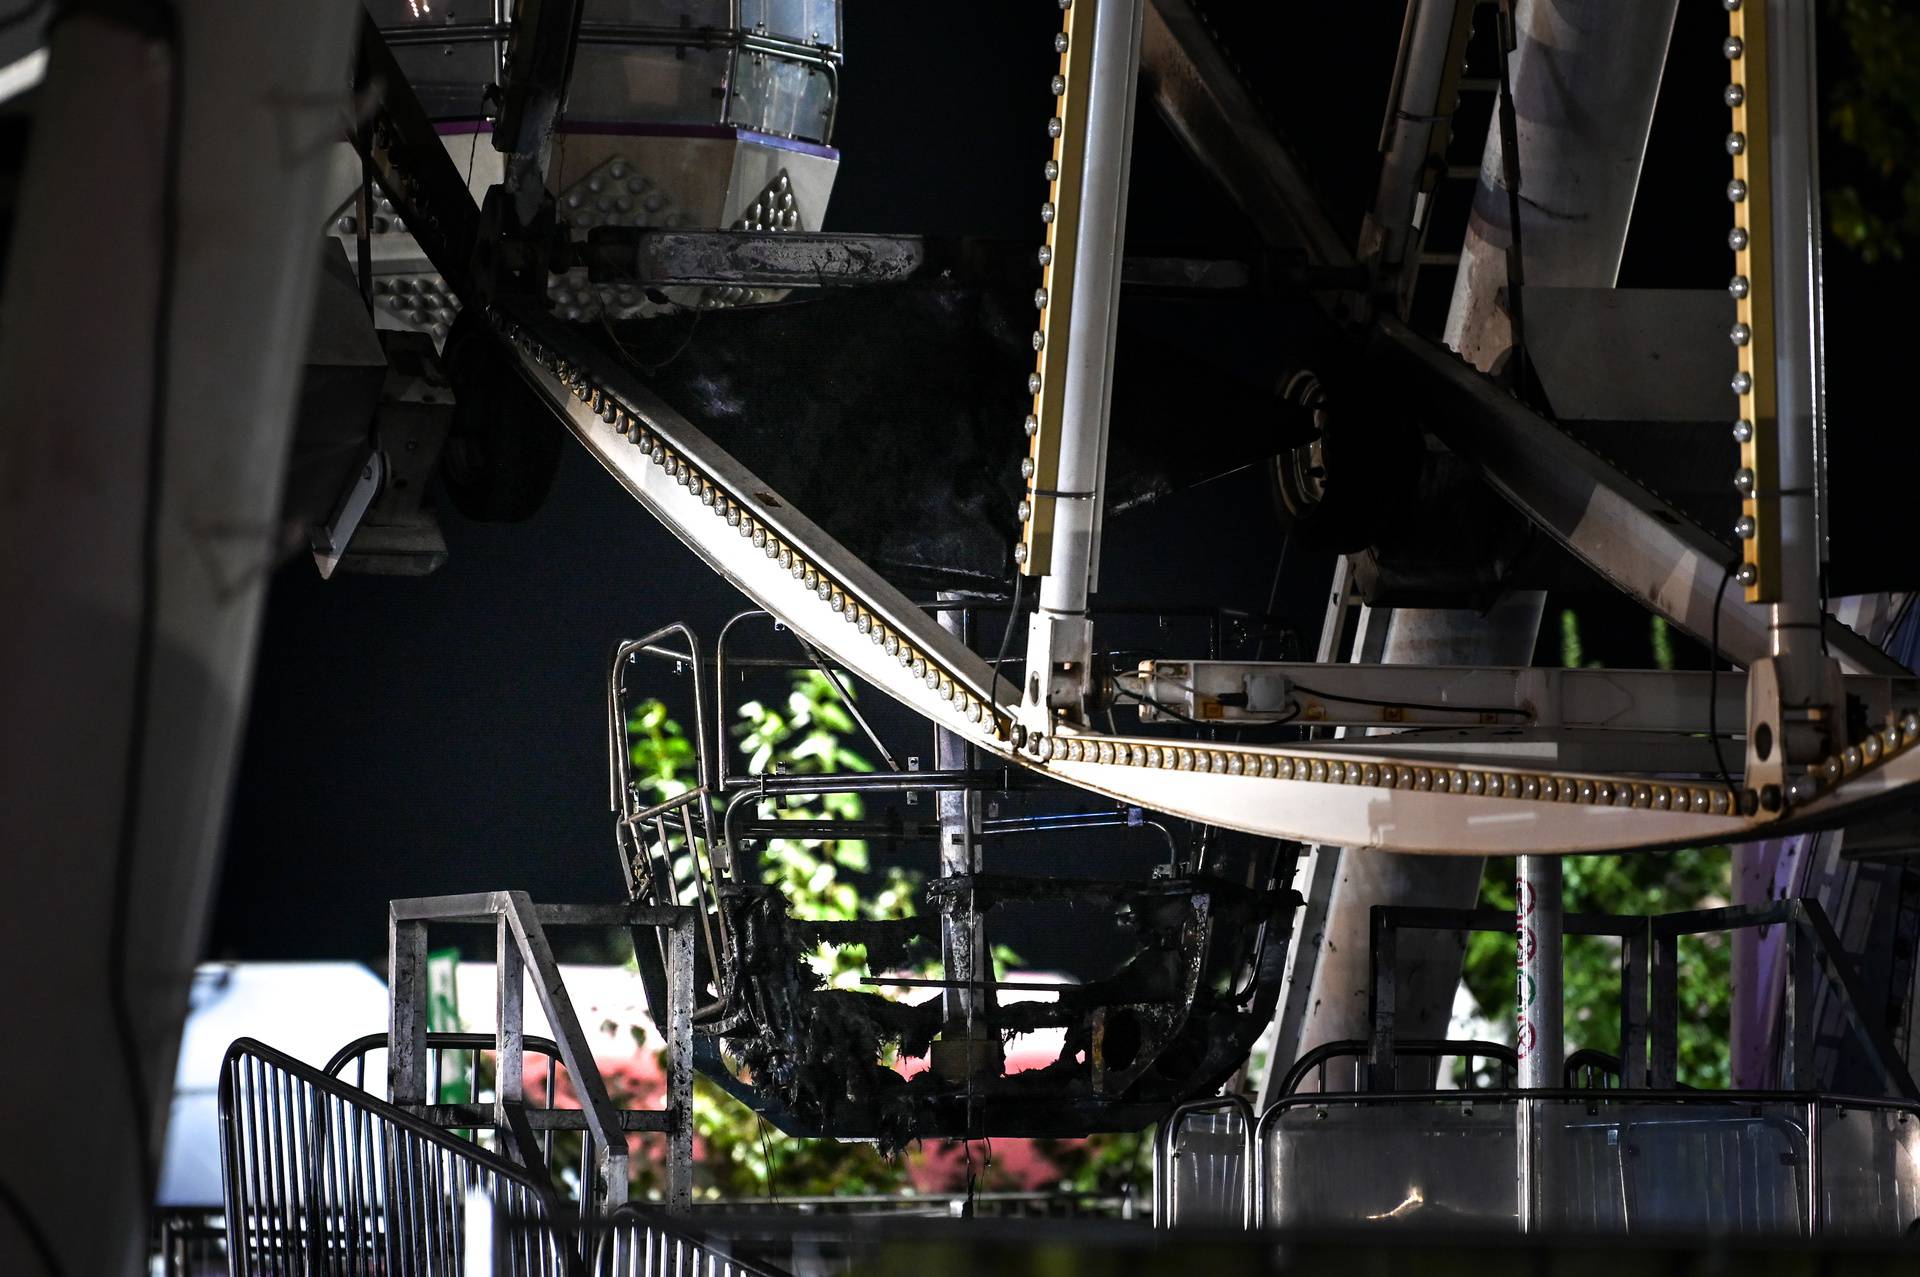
616, 717
1435, 1049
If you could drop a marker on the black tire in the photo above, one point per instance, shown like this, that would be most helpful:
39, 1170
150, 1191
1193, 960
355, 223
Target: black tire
503, 447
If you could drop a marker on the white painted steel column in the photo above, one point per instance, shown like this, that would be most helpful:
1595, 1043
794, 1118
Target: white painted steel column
1538, 1005
1794, 148
1060, 640
1585, 80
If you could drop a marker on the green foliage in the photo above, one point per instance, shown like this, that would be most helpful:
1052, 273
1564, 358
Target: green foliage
659, 752
828, 879
802, 738
1573, 653
1874, 111
1698, 878
741, 1155
1636, 884
1107, 1165
1661, 639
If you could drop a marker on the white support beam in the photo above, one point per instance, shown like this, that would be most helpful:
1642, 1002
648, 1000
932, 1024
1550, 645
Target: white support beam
1383, 795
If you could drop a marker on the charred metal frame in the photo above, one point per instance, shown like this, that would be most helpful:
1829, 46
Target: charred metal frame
1146, 1037
766, 994
537, 79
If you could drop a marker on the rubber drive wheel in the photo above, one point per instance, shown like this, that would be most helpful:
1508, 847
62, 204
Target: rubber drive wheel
1349, 485
503, 446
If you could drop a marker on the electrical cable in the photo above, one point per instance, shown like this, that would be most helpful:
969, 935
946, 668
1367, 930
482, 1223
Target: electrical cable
473, 142
1385, 704
1178, 717
1006, 635
1713, 678
1157, 707
1899, 620
766, 1151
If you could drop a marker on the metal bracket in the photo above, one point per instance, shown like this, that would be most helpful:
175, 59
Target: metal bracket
331, 538
520, 928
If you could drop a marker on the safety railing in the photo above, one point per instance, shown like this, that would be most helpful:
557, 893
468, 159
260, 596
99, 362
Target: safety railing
188, 1242
1427, 1053
1649, 986
1636, 936
998, 1205
640, 1243
1590, 1070
474, 1061
1813, 954
322, 1178
631, 1241
1591, 1162
522, 950
1203, 1154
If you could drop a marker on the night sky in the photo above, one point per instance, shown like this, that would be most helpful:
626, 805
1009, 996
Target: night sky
416, 737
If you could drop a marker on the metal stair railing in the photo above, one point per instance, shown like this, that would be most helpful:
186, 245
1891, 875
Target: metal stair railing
641, 1242
319, 1177
443, 1047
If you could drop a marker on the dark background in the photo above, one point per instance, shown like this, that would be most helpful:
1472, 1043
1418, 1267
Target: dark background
416, 737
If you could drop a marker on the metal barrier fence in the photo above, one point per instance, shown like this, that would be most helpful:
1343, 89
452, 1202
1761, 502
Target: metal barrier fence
631, 1241
1203, 1155
1203, 1165
641, 1243
1000, 1205
322, 1178
1416, 1064
1591, 1162
474, 1061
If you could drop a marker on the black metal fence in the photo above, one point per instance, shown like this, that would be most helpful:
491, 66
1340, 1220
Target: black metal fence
322, 1178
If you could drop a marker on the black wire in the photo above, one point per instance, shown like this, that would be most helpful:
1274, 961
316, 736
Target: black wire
1899, 619
766, 1151
1273, 594
1178, 717
1445, 709
1157, 707
1006, 635
1713, 677
626, 352
473, 142
146, 634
